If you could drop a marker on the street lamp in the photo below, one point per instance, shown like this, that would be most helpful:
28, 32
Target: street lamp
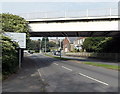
40, 46
45, 45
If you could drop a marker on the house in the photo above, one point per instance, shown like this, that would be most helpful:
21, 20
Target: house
53, 40
68, 44
78, 43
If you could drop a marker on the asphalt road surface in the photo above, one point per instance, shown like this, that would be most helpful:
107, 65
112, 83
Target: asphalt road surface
68, 76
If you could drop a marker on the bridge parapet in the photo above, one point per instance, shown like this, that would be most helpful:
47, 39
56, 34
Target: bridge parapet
71, 14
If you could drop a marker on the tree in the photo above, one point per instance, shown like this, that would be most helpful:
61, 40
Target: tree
43, 44
102, 44
90, 44
11, 23
109, 45
34, 45
14, 23
9, 56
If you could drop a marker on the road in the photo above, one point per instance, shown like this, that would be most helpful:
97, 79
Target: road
68, 76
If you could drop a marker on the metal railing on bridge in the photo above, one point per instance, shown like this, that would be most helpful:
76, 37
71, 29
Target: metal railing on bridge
71, 14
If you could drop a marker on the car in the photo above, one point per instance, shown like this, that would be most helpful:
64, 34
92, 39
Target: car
31, 52
58, 53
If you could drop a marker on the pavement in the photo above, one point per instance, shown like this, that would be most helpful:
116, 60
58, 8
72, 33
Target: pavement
27, 79
52, 75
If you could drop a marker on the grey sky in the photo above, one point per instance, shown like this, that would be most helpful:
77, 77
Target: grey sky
30, 7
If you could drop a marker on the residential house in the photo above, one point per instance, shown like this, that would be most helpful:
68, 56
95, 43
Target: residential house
68, 44
78, 43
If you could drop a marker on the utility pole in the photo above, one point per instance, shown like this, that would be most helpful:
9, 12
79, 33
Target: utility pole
45, 45
40, 46
60, 48
57, 43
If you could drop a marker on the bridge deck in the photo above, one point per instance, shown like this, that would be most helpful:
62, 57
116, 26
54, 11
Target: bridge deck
78, 33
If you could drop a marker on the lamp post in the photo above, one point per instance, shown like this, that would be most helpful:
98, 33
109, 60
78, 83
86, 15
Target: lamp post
45, 45
40, 46
60, 48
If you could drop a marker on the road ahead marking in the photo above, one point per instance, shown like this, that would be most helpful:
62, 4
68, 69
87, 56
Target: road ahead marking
55, 63
93, 79
67, 68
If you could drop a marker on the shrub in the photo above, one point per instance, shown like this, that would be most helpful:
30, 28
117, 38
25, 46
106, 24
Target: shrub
9, 56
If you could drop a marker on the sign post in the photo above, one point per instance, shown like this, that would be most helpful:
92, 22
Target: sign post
20, 38
19, 58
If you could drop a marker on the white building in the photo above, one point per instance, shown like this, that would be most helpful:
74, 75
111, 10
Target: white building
78, 43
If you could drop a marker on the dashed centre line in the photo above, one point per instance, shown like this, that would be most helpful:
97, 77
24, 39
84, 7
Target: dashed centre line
78, 73
66, 68
94, 79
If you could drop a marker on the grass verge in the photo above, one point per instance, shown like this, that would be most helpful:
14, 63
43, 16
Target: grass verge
58, 57
114, 67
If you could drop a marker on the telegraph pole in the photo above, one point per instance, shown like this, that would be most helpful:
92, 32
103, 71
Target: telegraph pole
60, 48
45, 45
40, 45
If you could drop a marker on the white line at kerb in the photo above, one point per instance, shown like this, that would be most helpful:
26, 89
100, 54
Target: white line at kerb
94, 79
66, 68
39, 73
55, 63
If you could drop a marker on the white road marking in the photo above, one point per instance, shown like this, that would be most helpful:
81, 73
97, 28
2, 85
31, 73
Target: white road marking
40, 75
94, 79
55, 63
67, 68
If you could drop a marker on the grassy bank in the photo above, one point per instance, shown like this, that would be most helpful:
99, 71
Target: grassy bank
114, 67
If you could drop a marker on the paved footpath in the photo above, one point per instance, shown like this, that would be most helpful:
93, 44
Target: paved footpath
26, 80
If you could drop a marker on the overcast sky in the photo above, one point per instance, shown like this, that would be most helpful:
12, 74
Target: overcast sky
31, 7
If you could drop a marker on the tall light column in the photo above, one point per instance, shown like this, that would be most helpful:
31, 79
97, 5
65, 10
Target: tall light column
45, 45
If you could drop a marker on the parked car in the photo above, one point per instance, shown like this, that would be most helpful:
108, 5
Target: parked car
31, 52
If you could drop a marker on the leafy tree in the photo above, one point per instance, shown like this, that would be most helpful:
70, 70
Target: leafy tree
9, 56
109, 45
14, 23
102, 44
90, 43
11, 23
34, 45
43, 44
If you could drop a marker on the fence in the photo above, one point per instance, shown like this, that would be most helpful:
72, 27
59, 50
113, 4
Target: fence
108, 56
71, 14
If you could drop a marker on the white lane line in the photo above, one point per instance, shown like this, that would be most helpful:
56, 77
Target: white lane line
94, 79
67, 68
40, 75
55, 63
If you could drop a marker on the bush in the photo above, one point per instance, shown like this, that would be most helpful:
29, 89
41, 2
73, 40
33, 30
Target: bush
9, 56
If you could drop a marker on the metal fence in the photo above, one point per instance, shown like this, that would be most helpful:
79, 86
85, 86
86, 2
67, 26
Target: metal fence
71, 14
109, 56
